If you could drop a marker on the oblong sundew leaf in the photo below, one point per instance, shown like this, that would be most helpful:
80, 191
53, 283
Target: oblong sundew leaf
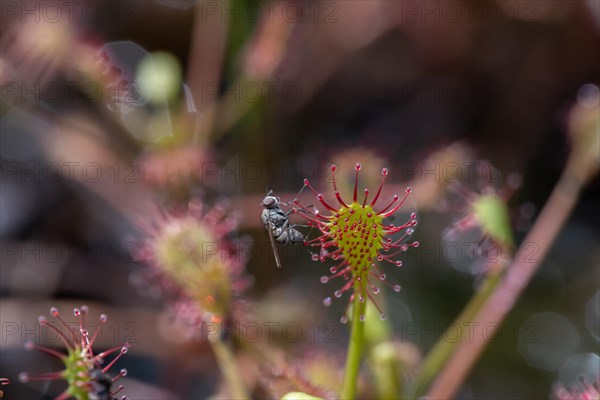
492, 213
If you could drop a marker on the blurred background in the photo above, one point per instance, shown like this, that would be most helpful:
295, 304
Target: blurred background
112, 111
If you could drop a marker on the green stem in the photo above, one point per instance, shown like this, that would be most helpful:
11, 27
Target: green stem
355, 349
229, 369
441, 352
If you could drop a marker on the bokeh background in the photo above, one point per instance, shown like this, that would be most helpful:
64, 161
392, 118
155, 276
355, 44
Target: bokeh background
111, 110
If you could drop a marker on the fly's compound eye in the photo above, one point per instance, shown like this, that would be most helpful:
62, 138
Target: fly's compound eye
269, 201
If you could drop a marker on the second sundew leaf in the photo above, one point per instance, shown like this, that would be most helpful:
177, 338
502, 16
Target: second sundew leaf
82, 365
492, 213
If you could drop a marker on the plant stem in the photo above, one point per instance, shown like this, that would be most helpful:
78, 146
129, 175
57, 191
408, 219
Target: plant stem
355, 349
492, 313
228, 368
443, 349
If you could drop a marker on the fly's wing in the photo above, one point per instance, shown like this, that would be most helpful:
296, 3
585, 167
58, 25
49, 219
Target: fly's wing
277, 262
265, 218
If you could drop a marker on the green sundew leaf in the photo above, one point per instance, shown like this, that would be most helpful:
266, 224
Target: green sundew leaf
299, 396
492, 213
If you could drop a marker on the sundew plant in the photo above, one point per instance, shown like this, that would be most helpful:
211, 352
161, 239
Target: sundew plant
299, 200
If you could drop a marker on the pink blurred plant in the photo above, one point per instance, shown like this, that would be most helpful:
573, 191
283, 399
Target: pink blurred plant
195, 263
